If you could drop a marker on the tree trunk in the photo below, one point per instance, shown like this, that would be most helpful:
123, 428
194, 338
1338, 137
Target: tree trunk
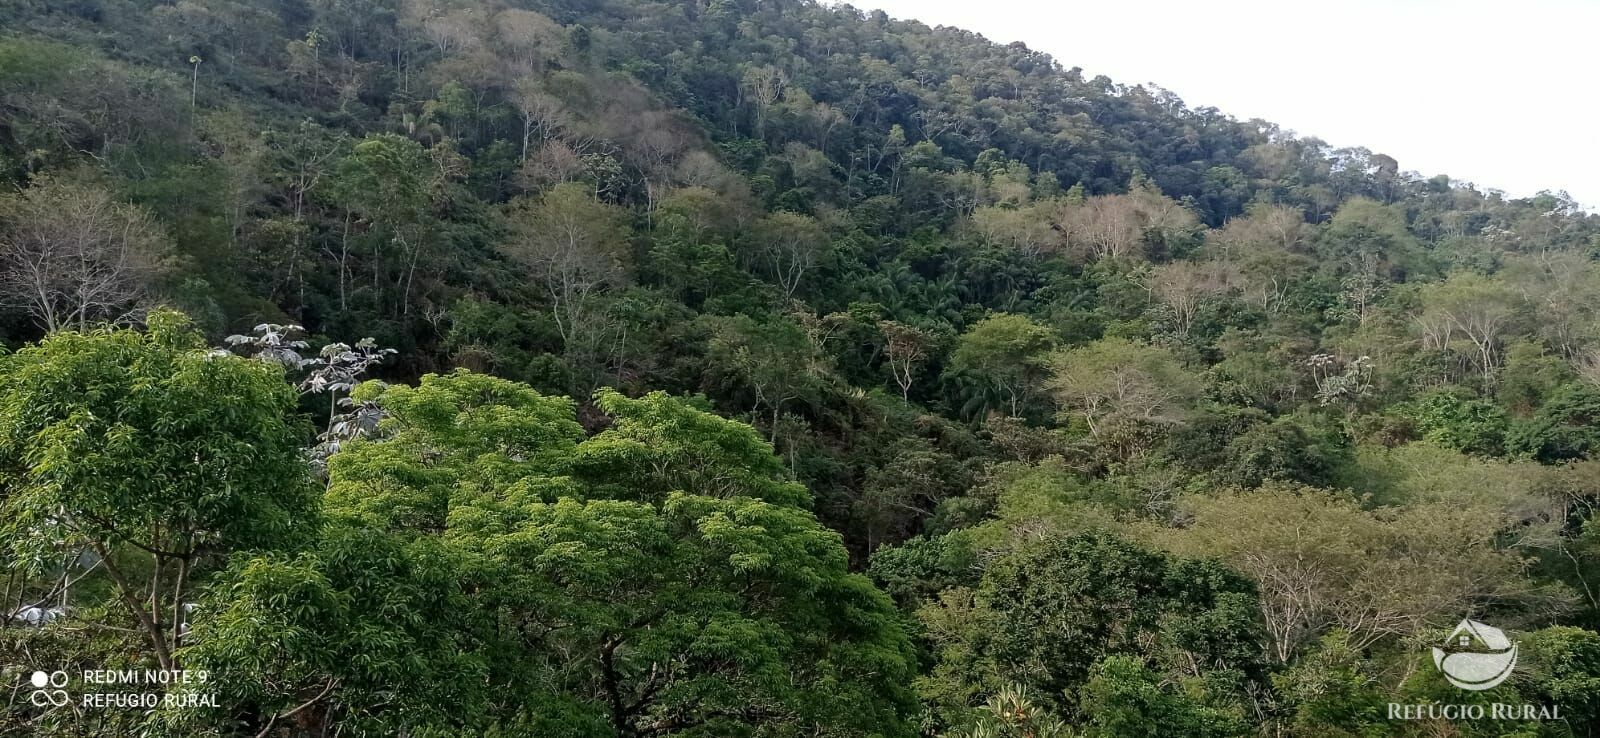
125, 592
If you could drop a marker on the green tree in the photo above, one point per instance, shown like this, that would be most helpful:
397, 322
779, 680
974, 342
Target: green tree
574, 248
775, 361
1046, 613
1124, 698
1013, 713
1566, 427
390, 184
1332, 691
1003, 353
1565, 671
363, 630
1469, 425
153, 453
1115, 381
657, 578
786, 247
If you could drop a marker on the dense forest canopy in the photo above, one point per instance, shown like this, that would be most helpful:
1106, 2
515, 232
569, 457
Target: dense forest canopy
757, 368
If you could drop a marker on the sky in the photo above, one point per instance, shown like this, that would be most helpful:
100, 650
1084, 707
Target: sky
1501, 94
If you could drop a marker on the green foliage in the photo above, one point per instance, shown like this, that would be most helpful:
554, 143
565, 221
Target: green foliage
1530, 376
1565, 670
658, 445
1332, 691
1147, 322
1013, 713
658, 573
998, 362
1045, 614
1469, 425
1113, 383
148, 450
1126, 699
1301, 449
377, 626
1566, 427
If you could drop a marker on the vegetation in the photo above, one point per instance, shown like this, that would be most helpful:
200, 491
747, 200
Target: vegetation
756, 369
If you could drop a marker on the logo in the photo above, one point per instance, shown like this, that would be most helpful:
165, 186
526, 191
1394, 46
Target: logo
47, 689
1476, 656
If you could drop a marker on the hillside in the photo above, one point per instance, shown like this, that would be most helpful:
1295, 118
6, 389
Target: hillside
759, 368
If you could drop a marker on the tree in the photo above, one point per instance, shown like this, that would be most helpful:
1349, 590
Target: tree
1566, 427
1566, 671
543, 115
1375, 575
1115, 380
150, 451
1469, 425
905, 347
1477, 307
574, 247
1135, 226
1184, 287
1563, 288
787, 246
304, 158
659, 578
1288, 449
71, 254
1104, 227
1013, 713
1265, 247
1026, 230
765, 85
1332, 690
391, 183
1048, 611
1366, 237
362, 630
1124, 698
1005, 352
776, 360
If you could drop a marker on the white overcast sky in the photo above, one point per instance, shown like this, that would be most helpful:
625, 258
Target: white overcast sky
1501, 94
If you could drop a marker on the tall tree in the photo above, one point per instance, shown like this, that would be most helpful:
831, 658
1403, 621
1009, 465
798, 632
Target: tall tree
152, 452
1115, 380
72, 254
575, 248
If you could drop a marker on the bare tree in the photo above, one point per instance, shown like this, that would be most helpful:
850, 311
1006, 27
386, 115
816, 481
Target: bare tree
543, 114
526, 41
71, 254
905, 347
1027, 229
765, 86
1264, 245
1183, 287
1105, 227
787, 246
1480, 308
573, 246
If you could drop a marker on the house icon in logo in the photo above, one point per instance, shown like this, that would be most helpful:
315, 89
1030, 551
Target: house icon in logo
1476, 656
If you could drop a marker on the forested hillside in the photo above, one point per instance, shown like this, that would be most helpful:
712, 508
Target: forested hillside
750, 368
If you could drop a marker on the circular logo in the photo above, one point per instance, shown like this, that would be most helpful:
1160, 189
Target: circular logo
44, 697
1476, 656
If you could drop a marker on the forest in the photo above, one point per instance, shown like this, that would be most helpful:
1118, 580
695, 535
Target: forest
756, 368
